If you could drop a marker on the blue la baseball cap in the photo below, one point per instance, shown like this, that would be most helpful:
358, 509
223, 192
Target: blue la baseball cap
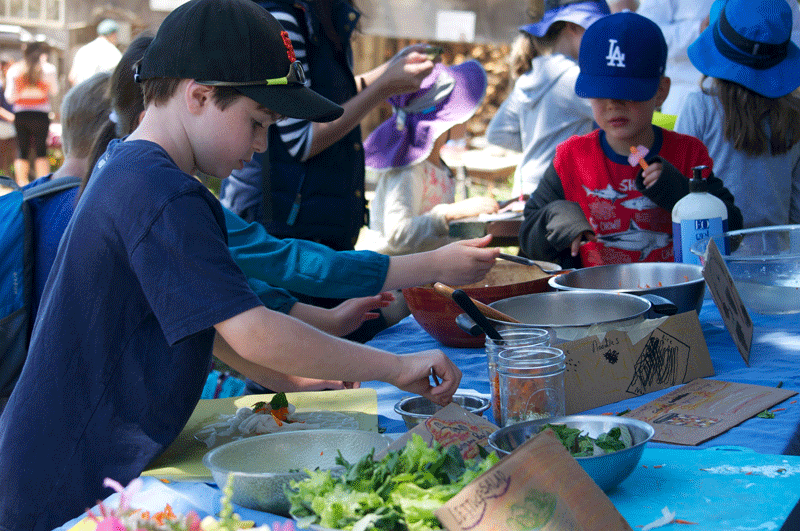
580, 12
622, 57
749, 42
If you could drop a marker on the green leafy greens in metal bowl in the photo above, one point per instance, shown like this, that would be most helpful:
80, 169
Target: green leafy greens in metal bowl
399, 491
580, 444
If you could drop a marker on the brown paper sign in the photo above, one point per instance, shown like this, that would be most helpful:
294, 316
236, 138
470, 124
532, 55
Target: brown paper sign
450, 425
727, 299
538, 486
604, 371
703, 409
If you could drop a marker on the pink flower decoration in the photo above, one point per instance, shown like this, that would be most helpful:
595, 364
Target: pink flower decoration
110, 524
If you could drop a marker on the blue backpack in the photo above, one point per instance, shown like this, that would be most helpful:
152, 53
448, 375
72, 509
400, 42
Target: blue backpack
16, 274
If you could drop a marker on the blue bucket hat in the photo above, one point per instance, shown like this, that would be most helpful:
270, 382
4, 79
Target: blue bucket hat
580, 12
748, 42
622, 57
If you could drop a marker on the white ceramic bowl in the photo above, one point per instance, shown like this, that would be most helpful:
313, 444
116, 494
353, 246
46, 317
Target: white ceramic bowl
262, 465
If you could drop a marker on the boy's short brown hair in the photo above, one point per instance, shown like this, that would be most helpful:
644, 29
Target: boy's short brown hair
159, 90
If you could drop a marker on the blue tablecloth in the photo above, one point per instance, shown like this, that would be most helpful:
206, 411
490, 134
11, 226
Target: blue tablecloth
742, 493
774, 360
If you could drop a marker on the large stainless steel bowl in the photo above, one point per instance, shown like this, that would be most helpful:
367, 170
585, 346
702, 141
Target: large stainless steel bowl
261, 466
683, 284
607, 470
570, 315
764, 264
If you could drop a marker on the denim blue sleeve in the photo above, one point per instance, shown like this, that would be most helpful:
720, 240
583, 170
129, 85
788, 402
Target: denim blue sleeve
303, 266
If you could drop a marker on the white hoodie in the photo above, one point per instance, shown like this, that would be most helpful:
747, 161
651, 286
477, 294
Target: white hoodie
541, 112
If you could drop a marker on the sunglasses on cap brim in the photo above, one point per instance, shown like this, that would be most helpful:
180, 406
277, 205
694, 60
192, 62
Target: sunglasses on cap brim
296, 76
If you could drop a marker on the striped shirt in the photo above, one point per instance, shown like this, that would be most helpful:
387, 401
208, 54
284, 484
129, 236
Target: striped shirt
295, 133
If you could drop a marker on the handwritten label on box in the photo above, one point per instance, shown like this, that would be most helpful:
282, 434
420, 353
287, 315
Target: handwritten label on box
655, 355
538, 486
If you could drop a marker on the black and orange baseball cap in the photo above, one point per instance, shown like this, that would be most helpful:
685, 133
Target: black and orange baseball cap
239, 44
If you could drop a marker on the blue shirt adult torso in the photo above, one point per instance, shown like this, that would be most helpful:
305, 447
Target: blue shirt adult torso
122, 346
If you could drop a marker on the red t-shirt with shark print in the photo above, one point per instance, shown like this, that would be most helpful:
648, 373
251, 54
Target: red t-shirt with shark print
629, 226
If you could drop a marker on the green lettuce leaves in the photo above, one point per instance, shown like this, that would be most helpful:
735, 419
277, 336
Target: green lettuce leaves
399, 492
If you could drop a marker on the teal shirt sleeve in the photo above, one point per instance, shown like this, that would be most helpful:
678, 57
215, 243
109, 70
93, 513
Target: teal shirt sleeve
303, 266
276, 299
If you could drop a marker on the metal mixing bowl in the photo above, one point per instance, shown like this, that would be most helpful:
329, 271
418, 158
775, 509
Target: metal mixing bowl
262, 465
416, 409
682, 284
606, 470
764, 263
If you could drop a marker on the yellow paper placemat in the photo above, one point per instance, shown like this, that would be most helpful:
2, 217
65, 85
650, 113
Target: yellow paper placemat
183, 460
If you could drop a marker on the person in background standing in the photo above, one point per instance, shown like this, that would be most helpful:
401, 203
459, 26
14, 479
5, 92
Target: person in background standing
543, 110
748, 114
682, 21
99, 55
312, 175
30, 86
8, 134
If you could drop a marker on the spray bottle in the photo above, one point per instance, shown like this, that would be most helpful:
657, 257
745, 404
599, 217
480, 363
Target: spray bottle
697, 216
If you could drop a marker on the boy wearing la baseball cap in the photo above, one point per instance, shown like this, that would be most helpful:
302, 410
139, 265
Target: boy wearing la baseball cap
607, 197
143, 279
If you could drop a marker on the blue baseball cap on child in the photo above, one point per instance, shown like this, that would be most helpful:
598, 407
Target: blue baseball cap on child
579, 12
622, 57
748, 42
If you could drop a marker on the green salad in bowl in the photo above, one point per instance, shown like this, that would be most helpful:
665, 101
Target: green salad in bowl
401, 490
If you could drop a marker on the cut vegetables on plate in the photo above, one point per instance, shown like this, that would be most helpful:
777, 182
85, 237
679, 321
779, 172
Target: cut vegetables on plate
270, 417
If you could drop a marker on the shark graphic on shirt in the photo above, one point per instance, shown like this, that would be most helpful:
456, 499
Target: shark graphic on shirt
636, 239
639, 203
606, 193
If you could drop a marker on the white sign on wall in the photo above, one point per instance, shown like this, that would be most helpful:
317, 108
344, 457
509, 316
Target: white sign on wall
456, 26
165, 5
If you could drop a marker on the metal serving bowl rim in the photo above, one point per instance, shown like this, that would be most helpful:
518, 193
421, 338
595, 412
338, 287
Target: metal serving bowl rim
702, 244
554, 280
585, 293
398, 407
577, 418
209, 456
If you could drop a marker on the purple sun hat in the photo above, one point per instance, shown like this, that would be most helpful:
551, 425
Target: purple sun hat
447, 97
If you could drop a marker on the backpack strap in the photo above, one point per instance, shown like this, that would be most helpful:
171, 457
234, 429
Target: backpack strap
51, 187
8, 182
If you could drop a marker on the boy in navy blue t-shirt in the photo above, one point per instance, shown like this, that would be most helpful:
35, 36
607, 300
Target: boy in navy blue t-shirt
143, 278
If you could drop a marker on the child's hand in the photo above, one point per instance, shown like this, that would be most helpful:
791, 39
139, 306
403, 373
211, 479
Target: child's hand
352, 313
471, 207
651, 174
414, 376
464, 262
586, 235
